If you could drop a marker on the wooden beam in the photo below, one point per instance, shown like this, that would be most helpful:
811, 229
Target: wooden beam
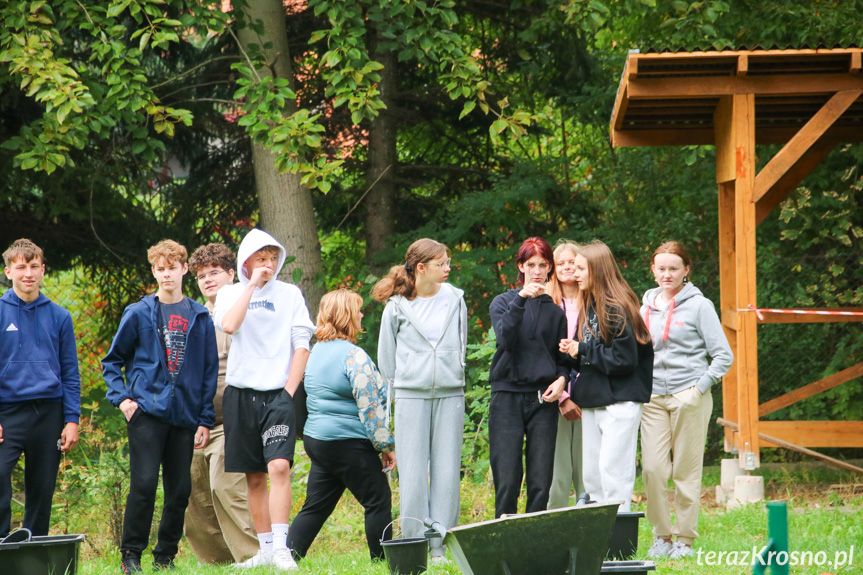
742, 65
854, 67
681, 135
632, 66
729, 319
620, 108
703, 87
746, 357
801, 143
789, 181
807, 391
771, 317
817, 433
775, 441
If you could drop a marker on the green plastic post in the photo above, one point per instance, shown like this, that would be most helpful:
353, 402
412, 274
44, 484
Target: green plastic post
775, 554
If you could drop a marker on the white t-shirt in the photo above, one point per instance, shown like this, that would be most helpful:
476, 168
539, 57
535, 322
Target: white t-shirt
431, 313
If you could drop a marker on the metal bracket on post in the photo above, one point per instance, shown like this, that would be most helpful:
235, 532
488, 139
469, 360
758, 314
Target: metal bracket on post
748, 459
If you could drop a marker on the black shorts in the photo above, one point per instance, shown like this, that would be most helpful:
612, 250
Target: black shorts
259, 427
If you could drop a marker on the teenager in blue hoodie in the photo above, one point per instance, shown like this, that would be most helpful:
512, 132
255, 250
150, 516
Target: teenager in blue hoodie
161, 372
40, 389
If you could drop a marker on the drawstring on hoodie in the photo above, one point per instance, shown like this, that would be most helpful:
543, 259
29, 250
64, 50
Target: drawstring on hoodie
667, 321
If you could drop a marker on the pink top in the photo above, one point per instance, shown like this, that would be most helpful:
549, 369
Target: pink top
571, 311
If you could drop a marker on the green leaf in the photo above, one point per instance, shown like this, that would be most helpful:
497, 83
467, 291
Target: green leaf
296, 275
468, 108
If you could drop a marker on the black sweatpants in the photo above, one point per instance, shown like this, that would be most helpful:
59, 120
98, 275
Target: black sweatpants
521, 422
347, 463
153, 442
32, 428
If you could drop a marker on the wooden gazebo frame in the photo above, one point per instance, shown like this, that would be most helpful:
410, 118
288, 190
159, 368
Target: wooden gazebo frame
808, 100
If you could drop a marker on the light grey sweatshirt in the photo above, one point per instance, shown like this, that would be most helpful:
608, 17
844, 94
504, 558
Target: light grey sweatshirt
414, 367
684, 334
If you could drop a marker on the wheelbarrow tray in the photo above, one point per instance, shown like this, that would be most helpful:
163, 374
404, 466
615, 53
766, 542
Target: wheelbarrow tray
572, 540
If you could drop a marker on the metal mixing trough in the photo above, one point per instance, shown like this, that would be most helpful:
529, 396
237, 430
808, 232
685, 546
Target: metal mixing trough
571, 541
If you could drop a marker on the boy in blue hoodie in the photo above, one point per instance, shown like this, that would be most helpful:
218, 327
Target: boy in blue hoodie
161, 372
40, 389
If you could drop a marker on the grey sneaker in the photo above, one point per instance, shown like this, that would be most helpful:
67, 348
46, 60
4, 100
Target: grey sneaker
283, 560
259, 559
681, 550
660, 548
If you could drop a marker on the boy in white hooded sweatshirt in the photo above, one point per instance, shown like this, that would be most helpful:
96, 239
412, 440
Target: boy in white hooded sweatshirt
270, 330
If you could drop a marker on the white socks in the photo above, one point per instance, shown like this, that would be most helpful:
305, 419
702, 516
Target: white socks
280, 535
266, 541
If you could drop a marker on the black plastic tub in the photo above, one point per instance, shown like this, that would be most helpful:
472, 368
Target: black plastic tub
623, 542
46, 555
627, 567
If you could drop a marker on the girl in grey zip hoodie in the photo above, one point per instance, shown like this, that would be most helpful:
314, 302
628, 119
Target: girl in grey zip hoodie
421, 355
686, 332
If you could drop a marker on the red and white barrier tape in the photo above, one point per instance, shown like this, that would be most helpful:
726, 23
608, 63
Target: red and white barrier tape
797, 311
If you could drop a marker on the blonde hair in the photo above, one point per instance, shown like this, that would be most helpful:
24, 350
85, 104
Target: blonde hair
339, 316
401, 279
553, 287
24, 249
170, 250
609, 295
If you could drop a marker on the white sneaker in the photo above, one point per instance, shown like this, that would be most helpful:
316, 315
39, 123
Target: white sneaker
283, 560
681, 550
660, 548
259, 559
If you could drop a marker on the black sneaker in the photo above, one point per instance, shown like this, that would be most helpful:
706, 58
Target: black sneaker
163, 563
130, 562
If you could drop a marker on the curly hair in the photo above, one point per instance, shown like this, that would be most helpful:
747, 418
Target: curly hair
217, 255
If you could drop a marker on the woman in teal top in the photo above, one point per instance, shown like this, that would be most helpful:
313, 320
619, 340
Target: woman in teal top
347, 434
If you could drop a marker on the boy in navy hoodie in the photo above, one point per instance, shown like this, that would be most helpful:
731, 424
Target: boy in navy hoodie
166, 345
40, 389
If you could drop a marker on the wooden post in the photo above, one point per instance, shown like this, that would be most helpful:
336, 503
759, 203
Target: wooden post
734, 122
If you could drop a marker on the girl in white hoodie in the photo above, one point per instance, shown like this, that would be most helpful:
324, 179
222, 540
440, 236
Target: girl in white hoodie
685, 330
421, 354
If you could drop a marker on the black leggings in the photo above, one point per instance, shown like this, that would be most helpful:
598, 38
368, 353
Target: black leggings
347, 463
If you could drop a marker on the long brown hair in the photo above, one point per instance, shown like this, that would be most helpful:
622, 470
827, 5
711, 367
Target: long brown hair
339, 316
610, 296
553, 287
401, 279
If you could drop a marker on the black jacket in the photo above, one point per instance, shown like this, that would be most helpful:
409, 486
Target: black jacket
528, 332
620, 371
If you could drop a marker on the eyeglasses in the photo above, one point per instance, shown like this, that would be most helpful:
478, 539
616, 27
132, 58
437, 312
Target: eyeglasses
211, 274
446, 263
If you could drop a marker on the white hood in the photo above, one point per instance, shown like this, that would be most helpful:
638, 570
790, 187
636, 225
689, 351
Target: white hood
254, 241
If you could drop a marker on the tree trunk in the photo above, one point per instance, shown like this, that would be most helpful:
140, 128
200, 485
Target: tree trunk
380, 202
285, 204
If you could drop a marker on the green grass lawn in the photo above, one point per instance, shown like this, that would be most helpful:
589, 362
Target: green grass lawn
821, 519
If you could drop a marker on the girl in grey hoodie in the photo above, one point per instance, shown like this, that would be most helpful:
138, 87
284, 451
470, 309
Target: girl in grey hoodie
686, 332
421, 354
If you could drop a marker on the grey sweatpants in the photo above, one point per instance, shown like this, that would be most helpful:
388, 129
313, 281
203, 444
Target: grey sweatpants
428, 434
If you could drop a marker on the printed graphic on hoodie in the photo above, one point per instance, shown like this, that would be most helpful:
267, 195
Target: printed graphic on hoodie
175, 324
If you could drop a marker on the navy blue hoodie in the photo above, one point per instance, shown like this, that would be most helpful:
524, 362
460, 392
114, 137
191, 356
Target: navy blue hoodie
38, 357
188, 402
